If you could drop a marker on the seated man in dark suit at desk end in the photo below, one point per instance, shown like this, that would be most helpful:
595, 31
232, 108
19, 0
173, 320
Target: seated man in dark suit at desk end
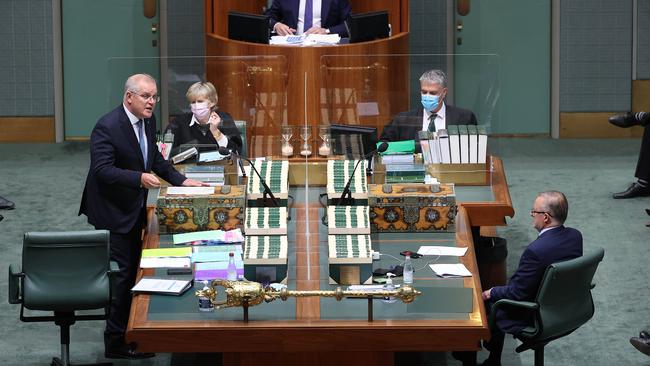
555, 243
326, 16
435, 114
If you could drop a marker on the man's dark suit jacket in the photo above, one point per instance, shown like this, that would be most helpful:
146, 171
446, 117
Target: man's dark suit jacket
406, 125
333, 14
186, 134
555, 245
113, 198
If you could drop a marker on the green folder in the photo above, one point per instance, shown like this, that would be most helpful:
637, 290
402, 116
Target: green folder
400, 147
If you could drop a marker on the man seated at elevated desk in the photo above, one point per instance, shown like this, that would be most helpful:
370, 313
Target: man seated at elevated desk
434, 115
309, 16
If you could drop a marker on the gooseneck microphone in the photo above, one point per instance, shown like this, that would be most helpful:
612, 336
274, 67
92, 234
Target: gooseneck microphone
268, 195
346, 195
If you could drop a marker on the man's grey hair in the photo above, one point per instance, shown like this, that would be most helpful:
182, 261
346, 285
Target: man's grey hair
556, 204
434, 77
132, 84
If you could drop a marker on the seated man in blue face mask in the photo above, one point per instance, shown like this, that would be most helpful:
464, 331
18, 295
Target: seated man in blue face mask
434, 115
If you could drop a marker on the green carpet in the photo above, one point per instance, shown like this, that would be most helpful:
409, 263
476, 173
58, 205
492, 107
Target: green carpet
46, 180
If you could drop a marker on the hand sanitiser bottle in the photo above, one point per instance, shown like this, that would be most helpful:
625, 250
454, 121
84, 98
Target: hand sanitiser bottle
388, 286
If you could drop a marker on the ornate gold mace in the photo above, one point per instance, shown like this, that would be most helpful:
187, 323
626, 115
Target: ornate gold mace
247, 293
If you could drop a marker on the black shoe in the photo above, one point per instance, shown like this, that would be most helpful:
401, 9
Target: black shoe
644, 334
628, 119
635, 190
642, 344
116, 347
5, 204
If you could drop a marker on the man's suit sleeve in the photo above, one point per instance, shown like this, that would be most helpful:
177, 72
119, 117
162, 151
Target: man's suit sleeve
274, 12
390, 132
102, 159
343, 12
523, 284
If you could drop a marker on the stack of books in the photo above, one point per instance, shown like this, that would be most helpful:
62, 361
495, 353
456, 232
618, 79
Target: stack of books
458, 144
348, 220
266, 221
338, 174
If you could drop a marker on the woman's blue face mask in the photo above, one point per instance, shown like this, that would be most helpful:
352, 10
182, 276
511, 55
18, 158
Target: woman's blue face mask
430, 102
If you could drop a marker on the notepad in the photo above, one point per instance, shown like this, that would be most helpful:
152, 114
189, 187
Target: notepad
450, 270
442, 250
162, 286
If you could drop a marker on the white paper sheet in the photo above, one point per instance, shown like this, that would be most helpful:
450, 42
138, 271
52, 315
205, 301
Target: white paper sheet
441, 250
190, 191
450, 270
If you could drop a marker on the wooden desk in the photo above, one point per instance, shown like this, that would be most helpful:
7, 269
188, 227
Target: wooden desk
303, 331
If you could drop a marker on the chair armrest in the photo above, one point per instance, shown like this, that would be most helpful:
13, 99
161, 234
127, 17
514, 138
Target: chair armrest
114, 268
15, 277
507, 303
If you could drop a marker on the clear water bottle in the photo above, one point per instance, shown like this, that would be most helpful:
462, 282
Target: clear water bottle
204, 302
232, 268
408, 270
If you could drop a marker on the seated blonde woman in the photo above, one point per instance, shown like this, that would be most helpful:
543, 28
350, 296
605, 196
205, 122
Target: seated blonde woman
205, 124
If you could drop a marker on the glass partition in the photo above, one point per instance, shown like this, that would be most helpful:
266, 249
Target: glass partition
336, 110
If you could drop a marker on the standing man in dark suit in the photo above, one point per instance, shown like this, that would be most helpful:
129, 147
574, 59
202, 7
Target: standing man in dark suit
434, 115
123, 154
309, 16
642, 186
555, 243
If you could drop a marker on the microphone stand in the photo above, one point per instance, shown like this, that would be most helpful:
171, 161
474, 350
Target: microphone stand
268, 199
346, 196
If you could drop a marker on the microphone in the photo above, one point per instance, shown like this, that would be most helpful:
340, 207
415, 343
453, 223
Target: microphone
346, 195
267, 191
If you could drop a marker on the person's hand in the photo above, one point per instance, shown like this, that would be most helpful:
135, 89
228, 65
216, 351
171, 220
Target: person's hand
283, 29
148, 180
316, 30
194, 183
214, 123
486, 295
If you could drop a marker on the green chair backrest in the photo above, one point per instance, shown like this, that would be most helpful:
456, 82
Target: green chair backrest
564, 296
66, 271
241, 126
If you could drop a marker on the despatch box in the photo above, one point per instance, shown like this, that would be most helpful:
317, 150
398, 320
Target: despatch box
412, 207
350, 259
265, 258
221, 210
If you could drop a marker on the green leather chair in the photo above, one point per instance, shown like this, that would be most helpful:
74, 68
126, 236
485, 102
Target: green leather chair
63, 272
241, 126
562, 305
